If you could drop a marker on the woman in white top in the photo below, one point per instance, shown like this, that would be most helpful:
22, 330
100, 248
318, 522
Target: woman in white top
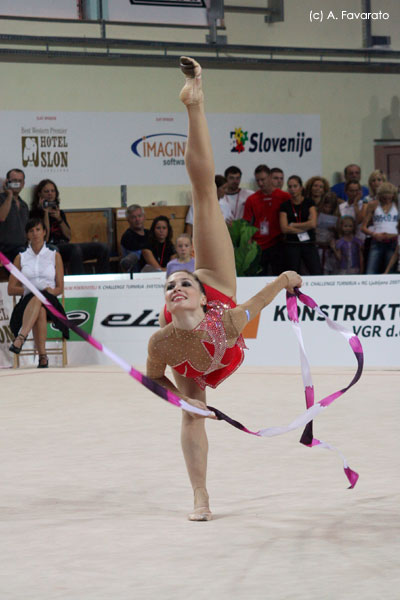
384, 215
43, 266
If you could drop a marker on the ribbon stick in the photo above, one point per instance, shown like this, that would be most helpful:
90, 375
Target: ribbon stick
303, 420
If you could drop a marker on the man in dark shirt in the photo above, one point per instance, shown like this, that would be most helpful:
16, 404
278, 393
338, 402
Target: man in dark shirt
134, 240
14, 214
262, 211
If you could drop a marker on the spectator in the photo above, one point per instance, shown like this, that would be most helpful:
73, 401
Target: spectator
316, 188
232, 204
298, 220
160, 248
184, 255
14, 214
384, 215
327, 219
348, 248
376, 178
46, 206
222, 187
351, 172
44, 268
133, 240
395, 258
277, 178
353, 206
262, 211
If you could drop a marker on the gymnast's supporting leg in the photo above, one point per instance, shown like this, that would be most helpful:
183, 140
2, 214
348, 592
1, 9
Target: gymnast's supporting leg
214, 256
195, 449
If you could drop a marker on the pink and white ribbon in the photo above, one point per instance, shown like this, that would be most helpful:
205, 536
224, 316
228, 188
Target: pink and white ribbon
303, 420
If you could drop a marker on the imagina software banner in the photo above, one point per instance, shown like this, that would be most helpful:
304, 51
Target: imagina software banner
105, 149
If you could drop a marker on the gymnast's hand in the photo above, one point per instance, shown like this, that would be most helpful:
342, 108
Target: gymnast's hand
199, 404
294, 280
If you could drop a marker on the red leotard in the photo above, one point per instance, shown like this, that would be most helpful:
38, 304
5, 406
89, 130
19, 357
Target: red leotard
231, 358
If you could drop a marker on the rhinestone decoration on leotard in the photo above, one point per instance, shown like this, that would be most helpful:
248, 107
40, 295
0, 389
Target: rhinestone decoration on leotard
212, 323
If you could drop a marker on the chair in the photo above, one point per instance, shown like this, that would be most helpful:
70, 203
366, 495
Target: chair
56, 337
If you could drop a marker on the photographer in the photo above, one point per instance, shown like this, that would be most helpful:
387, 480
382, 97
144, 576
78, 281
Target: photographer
14, 214
46, 205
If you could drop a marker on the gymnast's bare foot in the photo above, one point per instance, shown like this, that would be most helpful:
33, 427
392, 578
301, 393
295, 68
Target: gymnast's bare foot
191, 92
201, 511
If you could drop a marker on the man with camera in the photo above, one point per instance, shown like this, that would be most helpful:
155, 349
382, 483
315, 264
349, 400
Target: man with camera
14, 213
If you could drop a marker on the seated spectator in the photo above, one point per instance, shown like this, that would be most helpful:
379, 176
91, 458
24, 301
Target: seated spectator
184, 255
348, 248
14, 214
262, 211
222, 186
316, 188
384, 216
160, 248
232, 204
298, 220
133, 240
277, 178
44, 268
46, 206
394, 262
351, 172
325, 232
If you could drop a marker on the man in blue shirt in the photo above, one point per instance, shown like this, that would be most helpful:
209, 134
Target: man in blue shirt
351, 172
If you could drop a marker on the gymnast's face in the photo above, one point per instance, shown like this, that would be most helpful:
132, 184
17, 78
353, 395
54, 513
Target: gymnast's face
182, 292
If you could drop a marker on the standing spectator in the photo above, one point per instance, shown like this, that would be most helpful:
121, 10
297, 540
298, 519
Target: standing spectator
184, 255
395, 258
232, 204
351, 172
384, 215
14, 214
222, 187
134, 239
353, 206
160, 248
277, 178
327, 212
262, 211
46, 206
376, 178
298, 220
348, 248
316, 188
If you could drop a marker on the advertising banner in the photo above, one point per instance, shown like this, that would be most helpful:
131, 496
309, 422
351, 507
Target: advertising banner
105, 149
123, 314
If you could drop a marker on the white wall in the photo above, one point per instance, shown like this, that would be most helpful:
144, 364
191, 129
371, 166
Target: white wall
351, 106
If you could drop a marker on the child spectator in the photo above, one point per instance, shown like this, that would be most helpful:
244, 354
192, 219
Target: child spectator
184, 255
348, 248
326, 232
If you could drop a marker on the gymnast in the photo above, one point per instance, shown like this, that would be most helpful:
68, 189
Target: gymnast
200, 335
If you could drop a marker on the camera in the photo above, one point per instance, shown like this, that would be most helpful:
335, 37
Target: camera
13, 185
49, 204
